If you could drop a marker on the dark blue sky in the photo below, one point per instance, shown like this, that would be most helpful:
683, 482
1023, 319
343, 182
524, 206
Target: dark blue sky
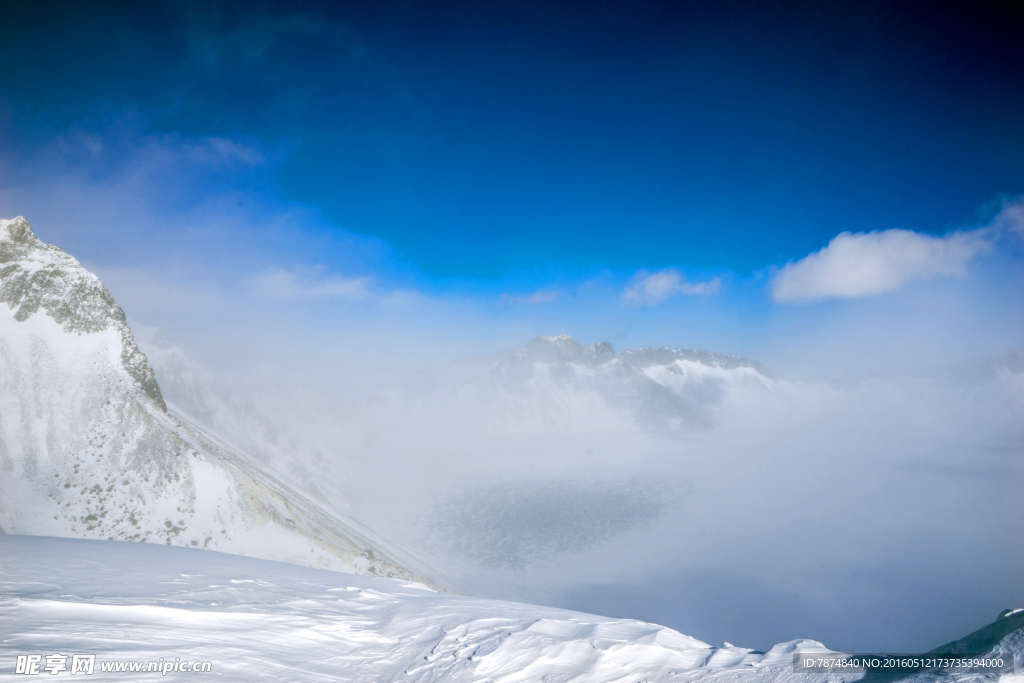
485, 139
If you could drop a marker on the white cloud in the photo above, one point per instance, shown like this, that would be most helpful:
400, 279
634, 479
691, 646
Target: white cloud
652, 288
280, 284
541, 296
1011, 218
862, 264
216, 149
866, 263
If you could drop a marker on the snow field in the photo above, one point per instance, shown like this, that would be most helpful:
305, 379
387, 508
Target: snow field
257, 620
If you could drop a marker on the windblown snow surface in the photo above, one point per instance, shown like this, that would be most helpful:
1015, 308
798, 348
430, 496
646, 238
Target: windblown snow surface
255, 620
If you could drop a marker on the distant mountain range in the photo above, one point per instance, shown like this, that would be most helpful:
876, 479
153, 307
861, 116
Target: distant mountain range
555, 383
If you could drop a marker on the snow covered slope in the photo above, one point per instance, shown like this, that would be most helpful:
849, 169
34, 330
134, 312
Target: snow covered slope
218, 408
89, 449
264, 621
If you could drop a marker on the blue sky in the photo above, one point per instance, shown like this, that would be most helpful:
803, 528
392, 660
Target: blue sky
501, 158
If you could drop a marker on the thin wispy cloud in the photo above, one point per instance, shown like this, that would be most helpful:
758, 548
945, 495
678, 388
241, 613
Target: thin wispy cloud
221, 150
541, 296
1010, 219
653, 288
281, 284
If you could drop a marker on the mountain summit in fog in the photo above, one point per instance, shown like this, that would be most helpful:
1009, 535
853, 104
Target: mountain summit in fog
553, 382
89, 448
35, 276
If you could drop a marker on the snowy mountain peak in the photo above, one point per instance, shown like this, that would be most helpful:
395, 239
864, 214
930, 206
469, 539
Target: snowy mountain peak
660, 356
37, 276
555, 383
88, 448
564, 348
600, 351
16, 231
553, 349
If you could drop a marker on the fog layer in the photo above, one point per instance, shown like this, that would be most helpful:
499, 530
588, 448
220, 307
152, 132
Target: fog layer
695, 490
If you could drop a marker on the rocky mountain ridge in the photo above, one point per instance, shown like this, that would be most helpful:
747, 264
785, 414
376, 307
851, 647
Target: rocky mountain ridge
41, 277
89, 449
